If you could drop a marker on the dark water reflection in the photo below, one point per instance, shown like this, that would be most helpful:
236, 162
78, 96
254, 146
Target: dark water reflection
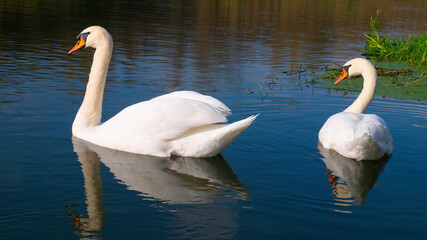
270, 183
178, 180
351, 180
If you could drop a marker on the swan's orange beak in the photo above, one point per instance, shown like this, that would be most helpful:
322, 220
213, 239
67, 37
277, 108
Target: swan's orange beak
344, 75
79, 45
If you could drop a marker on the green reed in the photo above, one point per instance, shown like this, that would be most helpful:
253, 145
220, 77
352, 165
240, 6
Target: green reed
412, 50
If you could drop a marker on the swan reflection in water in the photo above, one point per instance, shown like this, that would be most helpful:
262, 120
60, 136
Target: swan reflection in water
351, 180
172, 181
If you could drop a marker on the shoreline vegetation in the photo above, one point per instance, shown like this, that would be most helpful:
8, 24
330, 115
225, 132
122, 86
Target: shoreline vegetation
401, 66
395, 80
411, 51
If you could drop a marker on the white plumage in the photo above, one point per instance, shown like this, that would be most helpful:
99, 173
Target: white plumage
183, 123
352, 133
357, 136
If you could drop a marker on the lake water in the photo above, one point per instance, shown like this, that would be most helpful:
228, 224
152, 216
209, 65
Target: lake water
273, 182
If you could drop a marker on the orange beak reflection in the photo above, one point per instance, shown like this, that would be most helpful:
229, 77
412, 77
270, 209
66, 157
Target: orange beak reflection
79, 45
344, 75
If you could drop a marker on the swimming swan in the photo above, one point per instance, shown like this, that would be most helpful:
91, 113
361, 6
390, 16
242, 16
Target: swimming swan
182, 123
352, 133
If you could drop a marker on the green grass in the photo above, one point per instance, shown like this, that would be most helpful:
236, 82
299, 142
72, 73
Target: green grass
412, 50
401, 65
395, 80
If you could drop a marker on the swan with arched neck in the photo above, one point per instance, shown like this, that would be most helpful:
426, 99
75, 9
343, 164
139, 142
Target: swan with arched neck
183, 123
352, 133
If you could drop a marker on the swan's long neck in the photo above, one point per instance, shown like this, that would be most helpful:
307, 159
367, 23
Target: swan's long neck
90, 111
368, 92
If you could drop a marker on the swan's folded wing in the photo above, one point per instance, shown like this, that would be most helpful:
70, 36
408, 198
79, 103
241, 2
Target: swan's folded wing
190, 95
375, 127
338, 130
163, 118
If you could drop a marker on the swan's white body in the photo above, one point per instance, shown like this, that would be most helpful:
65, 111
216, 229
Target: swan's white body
354, 134
182, 123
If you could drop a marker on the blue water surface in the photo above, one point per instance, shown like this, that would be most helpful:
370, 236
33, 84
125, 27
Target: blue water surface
273, 182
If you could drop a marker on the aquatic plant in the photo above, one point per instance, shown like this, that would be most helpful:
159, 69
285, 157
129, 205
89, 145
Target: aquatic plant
412, 50
269, 81
400, 64
395, 80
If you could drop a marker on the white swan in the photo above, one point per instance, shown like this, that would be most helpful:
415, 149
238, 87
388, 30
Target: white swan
352, 133
182, 123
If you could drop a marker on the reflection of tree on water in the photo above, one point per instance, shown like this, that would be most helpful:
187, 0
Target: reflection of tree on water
172, 181
350, 178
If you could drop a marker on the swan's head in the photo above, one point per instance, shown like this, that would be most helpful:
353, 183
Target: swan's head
355, 67
94, 37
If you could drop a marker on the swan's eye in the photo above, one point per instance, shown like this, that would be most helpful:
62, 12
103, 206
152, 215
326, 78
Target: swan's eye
81, 42
83, 35
347, 67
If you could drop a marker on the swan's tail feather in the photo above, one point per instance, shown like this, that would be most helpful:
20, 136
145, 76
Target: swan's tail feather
210, 140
